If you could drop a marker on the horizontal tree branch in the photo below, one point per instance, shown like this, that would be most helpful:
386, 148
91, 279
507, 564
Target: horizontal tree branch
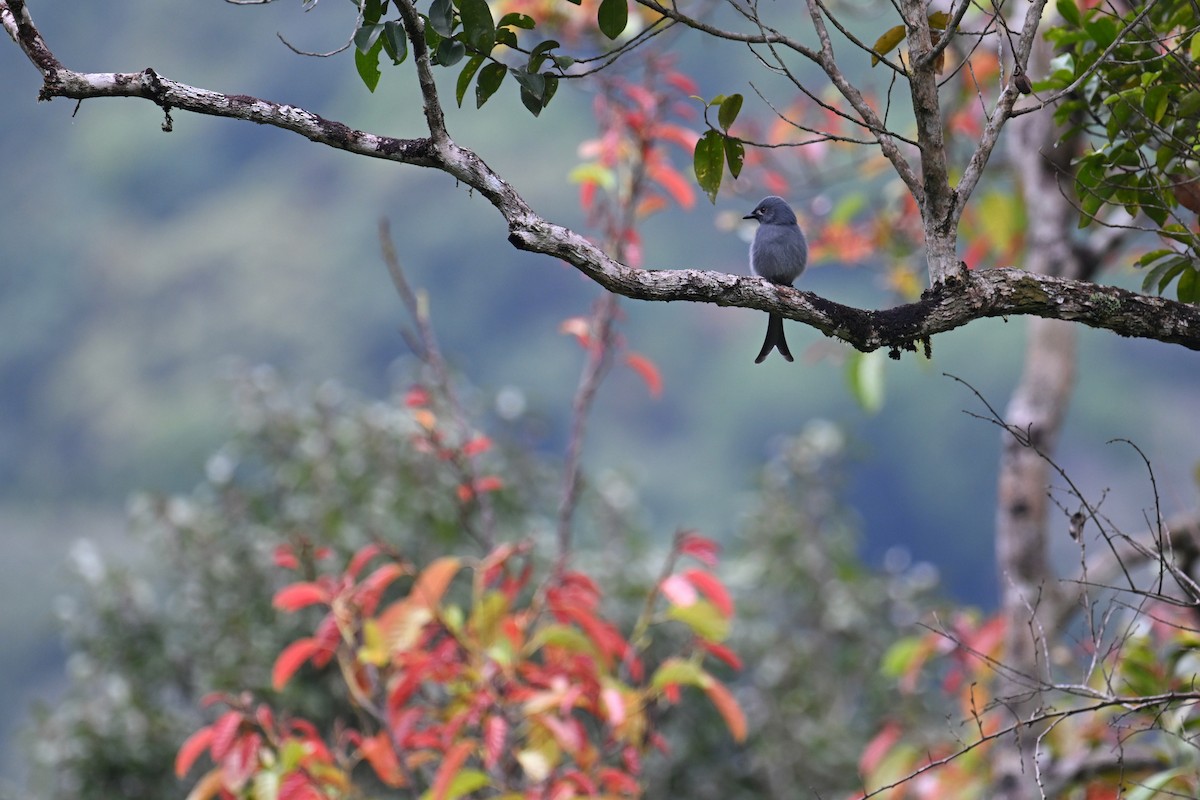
964, 297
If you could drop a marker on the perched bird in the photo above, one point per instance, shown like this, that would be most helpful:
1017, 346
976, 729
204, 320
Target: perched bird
779, 254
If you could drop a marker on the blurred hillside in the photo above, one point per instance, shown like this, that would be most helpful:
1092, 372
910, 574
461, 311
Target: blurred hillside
138, 268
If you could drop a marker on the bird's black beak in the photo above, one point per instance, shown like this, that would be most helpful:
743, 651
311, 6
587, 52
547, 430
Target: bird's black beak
751, 215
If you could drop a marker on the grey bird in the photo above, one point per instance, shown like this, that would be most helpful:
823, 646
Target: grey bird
779, 253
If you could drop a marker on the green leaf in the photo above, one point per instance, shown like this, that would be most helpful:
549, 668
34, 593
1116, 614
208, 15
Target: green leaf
735, 154
533, 88
864, 373
595, 173
516, 19
490, 78
704, 618
372, 11
449, 52
441, 17
395, 41
1188, 288
708, 161
1068, 11
366, 36
939, 21
464, 78
539, 54
1194, 47
678, 672
463, 783
368, 65
729, 109
887, 43
478, 25
612, 17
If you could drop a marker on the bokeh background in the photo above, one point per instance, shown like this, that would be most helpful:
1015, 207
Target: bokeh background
139, 270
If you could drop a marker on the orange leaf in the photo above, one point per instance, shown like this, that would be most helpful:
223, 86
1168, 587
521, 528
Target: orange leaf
648, 372
191, 749
449, 768
673, 181
728, 707
291, 659
432, 582
381, 756
209, 786
712, 588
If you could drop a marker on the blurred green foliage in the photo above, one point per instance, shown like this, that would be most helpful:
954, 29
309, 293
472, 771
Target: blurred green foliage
194, 616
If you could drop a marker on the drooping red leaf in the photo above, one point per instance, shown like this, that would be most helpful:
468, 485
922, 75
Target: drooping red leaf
728, 707
580, 328
291, 659
374, 584
678, 134
191, 749
241, 762
300, 595
699, 547
265, 718
723, 653
648, 371
713, 589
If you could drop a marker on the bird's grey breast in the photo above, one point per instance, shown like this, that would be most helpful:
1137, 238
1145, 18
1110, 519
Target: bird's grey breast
779, 253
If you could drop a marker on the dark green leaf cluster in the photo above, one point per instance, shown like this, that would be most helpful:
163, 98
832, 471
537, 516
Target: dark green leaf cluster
465, 31
717, 148
1136, 93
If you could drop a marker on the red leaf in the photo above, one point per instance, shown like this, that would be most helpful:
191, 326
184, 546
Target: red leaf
265, 718
702, 549
285, 557
360, 560
723, 653
488, 483
673, 181
615, 781
291, 659
614, 706
300, 595
648, 372
495, 733
191, 749
416, 397
878, 747
381, 756
449, 768
712, 588
480, 444
225, 730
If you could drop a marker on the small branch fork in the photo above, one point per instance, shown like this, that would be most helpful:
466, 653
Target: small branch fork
951, 303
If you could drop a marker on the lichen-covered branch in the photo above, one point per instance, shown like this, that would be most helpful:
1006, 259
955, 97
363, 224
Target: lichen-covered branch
963, 296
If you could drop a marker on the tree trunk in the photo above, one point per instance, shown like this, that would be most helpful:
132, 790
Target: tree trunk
1036, 412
